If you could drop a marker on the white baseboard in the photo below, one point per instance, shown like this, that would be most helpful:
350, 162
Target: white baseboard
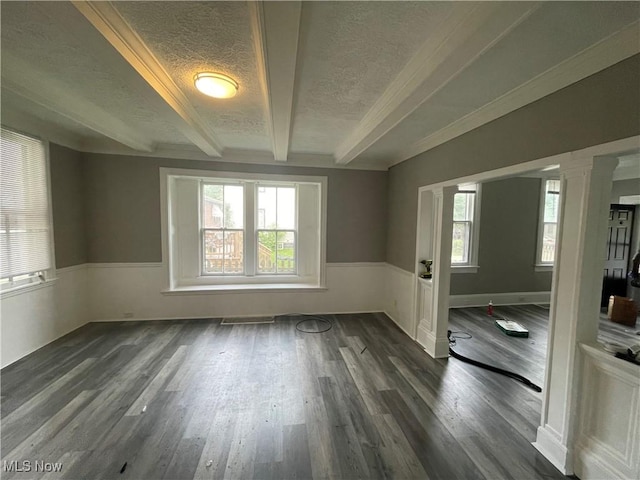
216, 317
434, 346
511, 298
400, 325
548, 443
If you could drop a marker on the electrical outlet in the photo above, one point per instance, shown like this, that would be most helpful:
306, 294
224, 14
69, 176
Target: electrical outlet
128, 315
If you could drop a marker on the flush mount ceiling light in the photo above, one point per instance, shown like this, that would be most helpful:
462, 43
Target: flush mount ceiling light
215, 85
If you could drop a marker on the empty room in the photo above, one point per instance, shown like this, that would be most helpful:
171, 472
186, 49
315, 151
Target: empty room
281, 240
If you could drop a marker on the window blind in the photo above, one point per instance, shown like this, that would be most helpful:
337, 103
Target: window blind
25, 237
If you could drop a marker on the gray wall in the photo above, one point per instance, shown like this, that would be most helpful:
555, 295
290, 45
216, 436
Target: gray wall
508, 241
625, 187
123, 207
598, 109
68, 199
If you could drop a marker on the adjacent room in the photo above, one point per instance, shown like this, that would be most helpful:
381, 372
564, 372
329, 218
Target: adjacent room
320, 240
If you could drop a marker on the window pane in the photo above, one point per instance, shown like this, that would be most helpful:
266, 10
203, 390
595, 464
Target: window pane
212, 206
551, 201
460, 242
463, 207
267, 252
267, 207
548, 242
213, 251
286, 249
233, 206
223, 252
223, 206
286, 207
276, 252
233, 252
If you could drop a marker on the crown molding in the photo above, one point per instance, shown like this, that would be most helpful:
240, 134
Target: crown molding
28, 84
115, 29
275, 27
456, 44
607, 52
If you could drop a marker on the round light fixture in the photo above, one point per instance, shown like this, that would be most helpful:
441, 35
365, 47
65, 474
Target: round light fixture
216, 85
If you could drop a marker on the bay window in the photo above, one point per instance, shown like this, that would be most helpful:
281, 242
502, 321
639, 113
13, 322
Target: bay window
229, 230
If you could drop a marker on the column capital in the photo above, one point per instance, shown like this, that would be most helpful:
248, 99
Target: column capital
579, 164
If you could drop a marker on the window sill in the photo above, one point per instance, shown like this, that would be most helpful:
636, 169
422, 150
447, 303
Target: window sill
30, 287
464, 268
538, 267
244, 288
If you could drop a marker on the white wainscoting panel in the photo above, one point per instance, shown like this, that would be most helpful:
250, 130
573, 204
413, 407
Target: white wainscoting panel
134, 292
35, 317
608, 439
399, 298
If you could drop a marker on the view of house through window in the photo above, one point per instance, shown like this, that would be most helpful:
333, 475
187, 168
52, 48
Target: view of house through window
223, 229
463, 218
549, 224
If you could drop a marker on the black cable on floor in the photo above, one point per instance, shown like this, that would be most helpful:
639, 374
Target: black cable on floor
308, 318
491, 368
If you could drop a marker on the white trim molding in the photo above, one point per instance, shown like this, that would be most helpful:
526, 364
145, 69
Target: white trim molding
604, 54
275, 27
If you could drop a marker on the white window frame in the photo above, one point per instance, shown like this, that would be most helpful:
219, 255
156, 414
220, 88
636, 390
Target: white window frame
250, 280
471, 265
19, 284
541, 266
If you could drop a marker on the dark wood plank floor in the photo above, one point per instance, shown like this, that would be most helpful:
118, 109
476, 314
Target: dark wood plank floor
196, 399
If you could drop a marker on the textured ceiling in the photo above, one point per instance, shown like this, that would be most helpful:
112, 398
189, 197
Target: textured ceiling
349, 53
191, 37
357, 84
38, 45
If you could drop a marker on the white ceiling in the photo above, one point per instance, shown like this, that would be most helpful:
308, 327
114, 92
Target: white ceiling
351, 84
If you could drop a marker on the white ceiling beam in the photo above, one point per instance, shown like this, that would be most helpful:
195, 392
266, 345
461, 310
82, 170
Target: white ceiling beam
108, 21
46, 93
609, 51
458, 41
275, 27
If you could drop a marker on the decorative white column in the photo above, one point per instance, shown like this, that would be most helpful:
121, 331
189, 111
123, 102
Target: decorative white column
432, 330
575, 303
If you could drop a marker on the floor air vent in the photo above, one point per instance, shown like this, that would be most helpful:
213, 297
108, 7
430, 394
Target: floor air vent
246, 320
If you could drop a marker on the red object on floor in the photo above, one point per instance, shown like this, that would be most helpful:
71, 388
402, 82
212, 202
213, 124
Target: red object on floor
490, 309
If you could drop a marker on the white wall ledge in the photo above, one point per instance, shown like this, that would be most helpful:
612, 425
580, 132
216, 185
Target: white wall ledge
244, 288
597, 352
29, 287
465, 268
